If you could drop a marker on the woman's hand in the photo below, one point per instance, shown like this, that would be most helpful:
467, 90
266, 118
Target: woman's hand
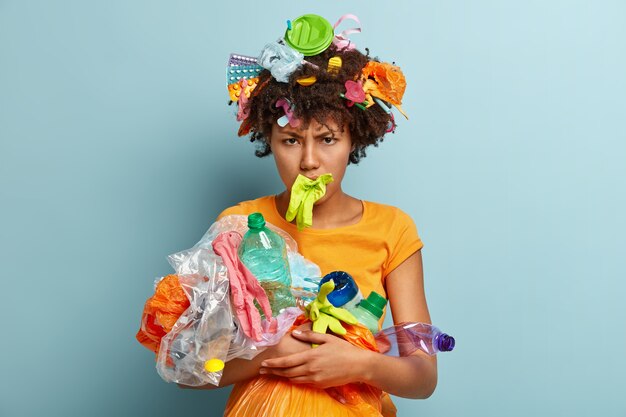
334, 362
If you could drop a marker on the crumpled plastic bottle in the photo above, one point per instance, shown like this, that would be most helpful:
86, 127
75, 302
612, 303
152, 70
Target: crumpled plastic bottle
264, 253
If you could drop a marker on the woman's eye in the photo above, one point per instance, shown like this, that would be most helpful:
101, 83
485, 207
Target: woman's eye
290, 141
329, 140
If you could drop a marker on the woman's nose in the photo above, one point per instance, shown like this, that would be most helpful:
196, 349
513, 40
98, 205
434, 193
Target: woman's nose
310, 160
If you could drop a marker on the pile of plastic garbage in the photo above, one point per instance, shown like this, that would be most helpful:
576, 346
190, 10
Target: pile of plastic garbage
205, 314
242, 287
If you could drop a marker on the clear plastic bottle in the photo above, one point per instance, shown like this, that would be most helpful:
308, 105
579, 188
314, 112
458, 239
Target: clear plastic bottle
405, 338
370, 310
346, 293
264, 253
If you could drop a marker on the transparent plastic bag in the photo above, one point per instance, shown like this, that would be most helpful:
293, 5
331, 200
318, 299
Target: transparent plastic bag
305, 275
205, 330
305, 278
208, 330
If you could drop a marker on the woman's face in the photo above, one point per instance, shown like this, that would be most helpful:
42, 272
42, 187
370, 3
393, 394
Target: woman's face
311, 151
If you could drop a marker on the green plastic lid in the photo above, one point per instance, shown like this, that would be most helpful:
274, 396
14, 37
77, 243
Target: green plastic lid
374, 303
310, 34
256, 221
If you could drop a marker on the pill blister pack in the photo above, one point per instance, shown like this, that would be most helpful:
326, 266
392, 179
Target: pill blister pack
241, 66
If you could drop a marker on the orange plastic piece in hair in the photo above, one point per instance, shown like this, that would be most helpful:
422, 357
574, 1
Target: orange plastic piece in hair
235, 90
161, 312
384, 81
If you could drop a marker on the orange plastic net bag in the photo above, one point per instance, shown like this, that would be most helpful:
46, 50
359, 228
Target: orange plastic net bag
266, 396
161, 312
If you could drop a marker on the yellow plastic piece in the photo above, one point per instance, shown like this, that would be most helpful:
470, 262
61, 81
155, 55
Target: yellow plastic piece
307, 81
213, 365
334, 65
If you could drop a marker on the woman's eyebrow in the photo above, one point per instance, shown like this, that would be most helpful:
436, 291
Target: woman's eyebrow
323, 132
291, 133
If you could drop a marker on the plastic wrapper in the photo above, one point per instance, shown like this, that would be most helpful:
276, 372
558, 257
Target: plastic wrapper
280, 60
207, 330
161, 312
305, 278
272, 396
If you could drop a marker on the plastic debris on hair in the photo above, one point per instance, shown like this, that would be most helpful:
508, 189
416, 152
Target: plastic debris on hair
391, 126
385, 81
309, 34
342, 40
243, 110
242, 86
307, 81
245, 128
288, 117
334, 65
241, 66
280, 60
355, 94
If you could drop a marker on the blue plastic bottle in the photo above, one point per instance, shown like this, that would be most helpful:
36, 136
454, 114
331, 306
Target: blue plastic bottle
264, 253
405, 338
346, 293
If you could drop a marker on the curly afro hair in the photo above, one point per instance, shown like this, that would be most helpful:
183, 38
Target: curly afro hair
320, 101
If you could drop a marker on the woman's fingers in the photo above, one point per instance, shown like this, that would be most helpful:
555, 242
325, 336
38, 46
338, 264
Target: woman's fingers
288, 361
311, 337
293, 372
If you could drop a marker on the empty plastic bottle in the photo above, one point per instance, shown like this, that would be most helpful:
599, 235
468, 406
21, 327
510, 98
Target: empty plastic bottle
405, 338
264, 253
346, 293
370, 310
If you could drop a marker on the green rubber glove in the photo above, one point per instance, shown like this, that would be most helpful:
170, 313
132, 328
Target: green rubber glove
325, 316
304, 193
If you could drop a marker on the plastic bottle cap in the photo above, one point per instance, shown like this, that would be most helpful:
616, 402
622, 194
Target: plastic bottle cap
256, 221
374, 303
213, 365
445, 342
310, 34
345, 287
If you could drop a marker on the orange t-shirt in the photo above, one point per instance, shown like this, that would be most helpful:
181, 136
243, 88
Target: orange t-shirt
368, 250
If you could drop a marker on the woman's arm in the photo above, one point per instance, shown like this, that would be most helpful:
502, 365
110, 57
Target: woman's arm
336, 362
414, 376
238, 370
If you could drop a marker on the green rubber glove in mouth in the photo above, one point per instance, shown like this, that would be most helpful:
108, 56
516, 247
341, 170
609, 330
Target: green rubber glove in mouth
325, 316
304, 193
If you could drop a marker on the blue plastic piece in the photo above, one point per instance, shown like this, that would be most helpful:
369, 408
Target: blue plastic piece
345, 288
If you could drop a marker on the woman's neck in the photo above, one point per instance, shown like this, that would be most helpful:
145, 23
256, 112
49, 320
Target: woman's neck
338, 210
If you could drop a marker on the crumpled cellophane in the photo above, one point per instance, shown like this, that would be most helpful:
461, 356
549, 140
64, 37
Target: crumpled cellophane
266, 396
207, 329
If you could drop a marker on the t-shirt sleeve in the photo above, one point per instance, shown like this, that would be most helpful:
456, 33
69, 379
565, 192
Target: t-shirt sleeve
238, 209
404, 241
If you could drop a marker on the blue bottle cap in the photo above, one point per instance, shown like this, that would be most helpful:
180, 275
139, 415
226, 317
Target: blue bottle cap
345, 288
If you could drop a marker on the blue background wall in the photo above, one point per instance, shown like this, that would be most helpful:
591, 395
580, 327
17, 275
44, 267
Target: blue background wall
117, 148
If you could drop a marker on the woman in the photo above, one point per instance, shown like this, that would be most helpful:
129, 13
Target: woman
324, 126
